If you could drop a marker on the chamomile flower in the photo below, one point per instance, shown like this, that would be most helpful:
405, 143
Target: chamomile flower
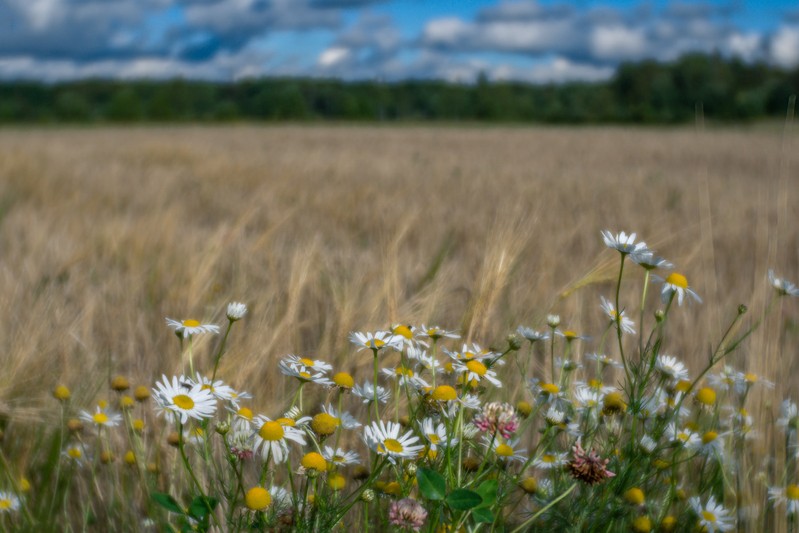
384, 439
531, 334
474, 369
506, 450
546, 392
782, 286
340, 457
789, 416
571, 335
627, 325
217, 388
550, 460
713, 517
271, 437
587, 399
314, 365
8, 502
788, 495
179, 401
676, 284
436, 434
746, 380
346, 420
670, 368
406, 333
469, 353
604, 360
435, 333
189, 327
377, 341
368, 394
403, 374
75, 454
650, 261
303, 373
683, 436
102, 417
710, 444
623, 243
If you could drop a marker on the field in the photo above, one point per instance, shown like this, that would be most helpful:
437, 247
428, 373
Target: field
326, 230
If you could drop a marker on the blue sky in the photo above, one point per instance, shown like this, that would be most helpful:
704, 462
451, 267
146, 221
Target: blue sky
530, 40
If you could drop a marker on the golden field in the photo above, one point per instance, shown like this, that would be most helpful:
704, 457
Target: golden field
327, 230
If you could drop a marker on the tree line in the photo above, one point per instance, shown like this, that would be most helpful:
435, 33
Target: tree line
639, 92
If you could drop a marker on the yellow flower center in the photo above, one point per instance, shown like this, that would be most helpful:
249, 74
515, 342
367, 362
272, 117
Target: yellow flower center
678, 280
344, 380
314, 461
100, 418
550, 388
634, 496
405, 331
402, 371
548, 458
138, 424
569, 334
709, 517
595, 384
305, 375
476, 367
75, 453
325, 424
683, 436
708, 437
392, 445
183, 401
336, 481
271, 431
792, 492
102, 404
377, 343
257, 499
503, 450
433, 438
5, 504
750, 378
444, 393
61, 393
245, 413
191, 323
706, 396
307, 362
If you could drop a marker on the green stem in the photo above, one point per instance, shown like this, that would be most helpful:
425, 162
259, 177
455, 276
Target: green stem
545, 509
221, 350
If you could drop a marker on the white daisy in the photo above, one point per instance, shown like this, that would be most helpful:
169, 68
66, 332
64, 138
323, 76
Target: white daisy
650, 261
271, 436
724, 380
236, 311
571, 335
474, 369
237, 396
587, 399
713, 517
531, 334
745, 380
788, 495
378, 340
102, 417
403, 374
384, 439
303, 373
671, 368
311, 364
627, 325
624, 243
676, 284
436, 434
711, 444
75, 454
469, 353
8, 502
346, 420
648, 444
604, 360
789, 416
683, 436
340, 457
217, 388
435, 333
181, 402
367, 392
187, 328
782, 286
550, 460
506, 450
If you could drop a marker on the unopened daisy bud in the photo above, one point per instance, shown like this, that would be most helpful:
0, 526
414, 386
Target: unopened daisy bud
514, 342
173, 439
634, 496
126, 402
642, 524
524, 409
313, 463
742, 309
553, 321
410, 469
706, 396
660, 315
257, 499
324, 424
344, 381
74, 425
141, 393
138, 425
106, 457
336, 481
236, 311
368, 496
529, 485
120, 383
61, 393
222, 428
130, 457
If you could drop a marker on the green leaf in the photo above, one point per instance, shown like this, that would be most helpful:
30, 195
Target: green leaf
167, 502
481, 514
432, 485
201, 506
488, 492
464, 499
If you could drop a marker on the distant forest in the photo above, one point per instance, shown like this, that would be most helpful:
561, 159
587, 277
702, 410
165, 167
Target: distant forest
641, 92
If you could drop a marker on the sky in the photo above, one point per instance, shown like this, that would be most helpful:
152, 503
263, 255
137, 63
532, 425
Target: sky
536, 41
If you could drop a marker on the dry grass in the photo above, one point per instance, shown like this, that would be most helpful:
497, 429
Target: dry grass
325, 230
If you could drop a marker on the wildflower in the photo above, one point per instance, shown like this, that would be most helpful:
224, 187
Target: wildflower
340, 457
178, 401
550, 460
554, 417
670, 368
706, 396
436, 435
529, 485
553, 321
444, 393
379, 340
343, 381
642, 524
74, 453
650, 261
101, 417
604, 360
345, 420
623, 243
498, 418
788, 495
545, 391
313, 461
257, 499
524, 409
189, 327
570, 335
407, 513
588, 467
782, 286
746, 380
648, 444
475, 370
683, 436
217, 388
676, 284
302, 373
141, 393
368, 393
384, 439
586, 398
241, 443
271, 438
634, 496
61, 393
311, 364
120, 383
627, 325
10, 502
336, 481
531, 334
436, 333
405, 376
506, 451
236, 311
789, 416
711, 444
613, 403
712, 516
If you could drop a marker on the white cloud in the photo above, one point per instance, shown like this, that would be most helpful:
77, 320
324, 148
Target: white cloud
784, 49
618, 42
333, 56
